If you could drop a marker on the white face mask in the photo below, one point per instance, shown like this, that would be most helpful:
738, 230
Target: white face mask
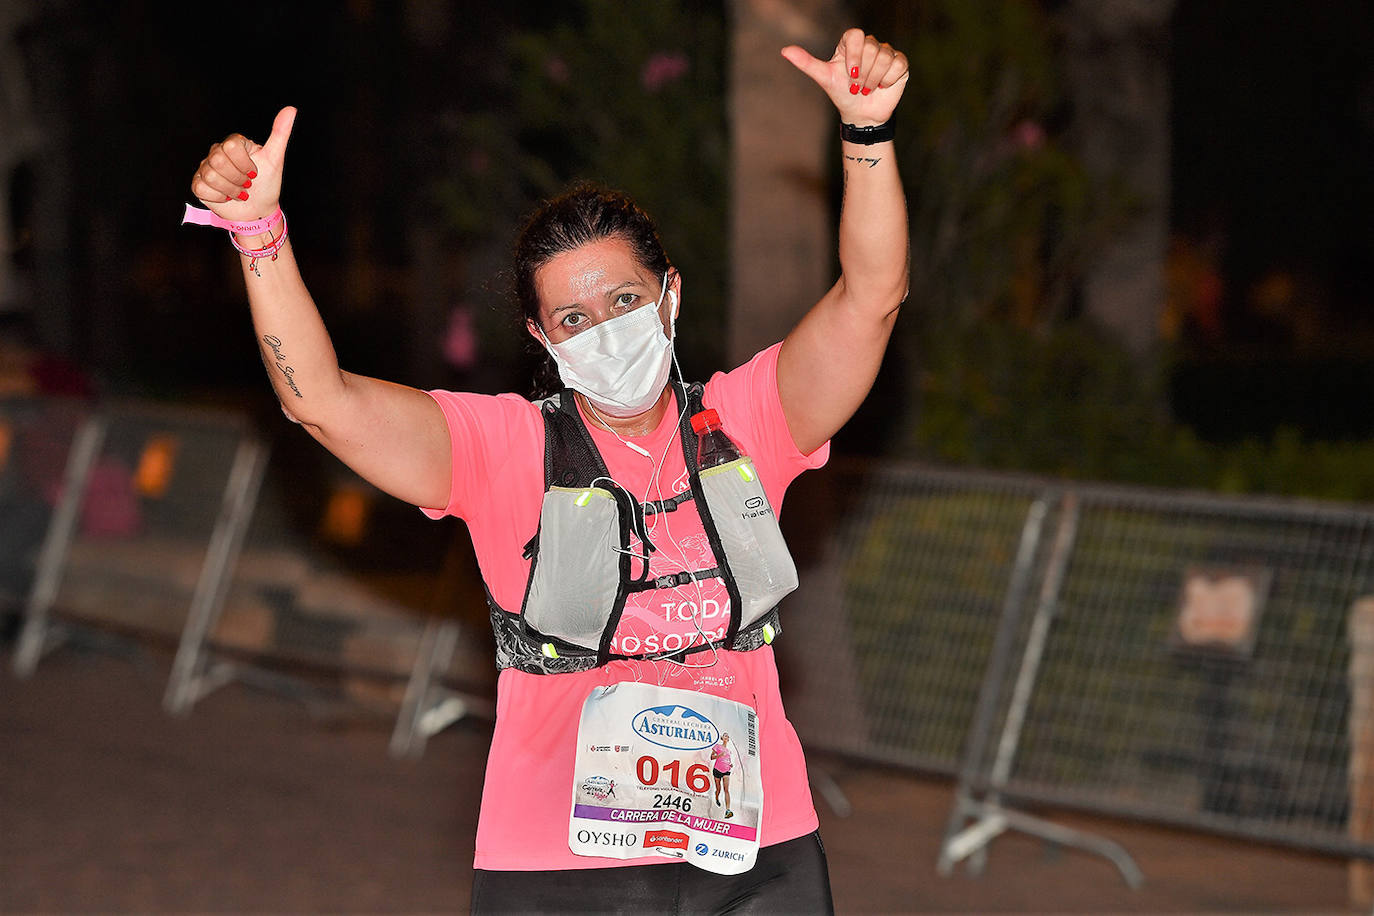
621, 364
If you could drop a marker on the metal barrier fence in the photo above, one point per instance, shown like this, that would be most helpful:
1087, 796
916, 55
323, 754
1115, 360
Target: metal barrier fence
145, 527
39, 440
1200, 661
897, 611
302, 621
127, 524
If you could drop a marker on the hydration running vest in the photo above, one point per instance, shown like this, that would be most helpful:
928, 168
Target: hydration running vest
583, 566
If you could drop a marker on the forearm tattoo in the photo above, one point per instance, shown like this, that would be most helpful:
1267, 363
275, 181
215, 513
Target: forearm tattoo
279, 361
863, 160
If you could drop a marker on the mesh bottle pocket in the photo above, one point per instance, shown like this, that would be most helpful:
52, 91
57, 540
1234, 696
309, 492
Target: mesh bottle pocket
749, 533
573, 587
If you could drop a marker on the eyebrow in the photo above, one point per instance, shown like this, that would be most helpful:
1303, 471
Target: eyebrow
610, 292
617, 289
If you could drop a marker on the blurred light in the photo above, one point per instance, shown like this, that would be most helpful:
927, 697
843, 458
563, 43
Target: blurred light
155, 466
6, 440
345, 516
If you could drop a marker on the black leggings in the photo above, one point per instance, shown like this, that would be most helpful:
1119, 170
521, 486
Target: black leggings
790, 877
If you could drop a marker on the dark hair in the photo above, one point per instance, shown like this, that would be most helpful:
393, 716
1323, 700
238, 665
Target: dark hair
583, 214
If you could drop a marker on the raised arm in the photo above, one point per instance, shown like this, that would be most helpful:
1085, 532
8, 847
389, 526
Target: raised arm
391, 435
829, 361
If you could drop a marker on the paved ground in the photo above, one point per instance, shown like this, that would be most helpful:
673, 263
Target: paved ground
253, 805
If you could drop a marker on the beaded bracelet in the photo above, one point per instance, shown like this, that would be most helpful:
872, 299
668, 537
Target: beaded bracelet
269, 250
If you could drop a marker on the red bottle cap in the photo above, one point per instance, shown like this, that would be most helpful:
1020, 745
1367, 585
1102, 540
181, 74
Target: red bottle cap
707, 417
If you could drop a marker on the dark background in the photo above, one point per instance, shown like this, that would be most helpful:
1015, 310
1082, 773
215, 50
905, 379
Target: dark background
1273, 135
1273, 103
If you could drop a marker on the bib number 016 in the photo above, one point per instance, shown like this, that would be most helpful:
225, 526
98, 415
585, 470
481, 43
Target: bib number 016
696, 778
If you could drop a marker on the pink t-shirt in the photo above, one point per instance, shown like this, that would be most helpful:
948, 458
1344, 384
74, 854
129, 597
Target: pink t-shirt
498, 488
722, 762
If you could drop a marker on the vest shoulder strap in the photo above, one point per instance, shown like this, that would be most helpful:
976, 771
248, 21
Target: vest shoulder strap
570, 457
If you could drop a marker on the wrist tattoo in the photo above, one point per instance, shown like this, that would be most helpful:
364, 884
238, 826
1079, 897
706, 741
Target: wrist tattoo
279, 360
863, 160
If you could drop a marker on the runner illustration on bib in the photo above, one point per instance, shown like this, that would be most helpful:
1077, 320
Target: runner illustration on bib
721, 765
643, 781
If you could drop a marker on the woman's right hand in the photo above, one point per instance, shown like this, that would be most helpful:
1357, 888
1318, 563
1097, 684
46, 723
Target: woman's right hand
240, 180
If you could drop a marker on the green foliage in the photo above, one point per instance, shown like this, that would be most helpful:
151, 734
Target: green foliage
1004, 221
636, 102
1071, 403
1067, 402
1003, 216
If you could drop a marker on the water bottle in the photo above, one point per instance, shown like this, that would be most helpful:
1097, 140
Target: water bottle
745, 523
713, 446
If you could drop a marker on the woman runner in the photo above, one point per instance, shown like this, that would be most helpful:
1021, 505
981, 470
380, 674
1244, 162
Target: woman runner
721, 765
612, 683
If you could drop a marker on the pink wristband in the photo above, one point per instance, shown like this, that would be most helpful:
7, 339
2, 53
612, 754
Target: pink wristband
200, 217
270, 249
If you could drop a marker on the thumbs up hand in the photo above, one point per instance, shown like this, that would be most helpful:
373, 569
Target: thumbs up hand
864, 77
240, 180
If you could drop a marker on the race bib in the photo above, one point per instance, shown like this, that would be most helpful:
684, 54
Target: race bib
645, 783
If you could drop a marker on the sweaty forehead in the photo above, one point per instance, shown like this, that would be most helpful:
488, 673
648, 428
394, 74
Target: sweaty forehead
588, 279
586, 273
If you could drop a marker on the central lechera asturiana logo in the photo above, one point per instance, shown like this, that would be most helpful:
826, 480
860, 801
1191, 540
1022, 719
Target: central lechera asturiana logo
678, 727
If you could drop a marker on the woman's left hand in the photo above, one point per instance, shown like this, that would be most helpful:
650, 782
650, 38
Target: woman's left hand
864, 77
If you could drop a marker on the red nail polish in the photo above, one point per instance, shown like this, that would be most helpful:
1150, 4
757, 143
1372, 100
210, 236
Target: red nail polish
248, 184
243, 195
853, 88
253, 174
853, 73
865, 90
227, 199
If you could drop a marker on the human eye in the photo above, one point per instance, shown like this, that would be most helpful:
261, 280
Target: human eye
626, 300
573, 320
